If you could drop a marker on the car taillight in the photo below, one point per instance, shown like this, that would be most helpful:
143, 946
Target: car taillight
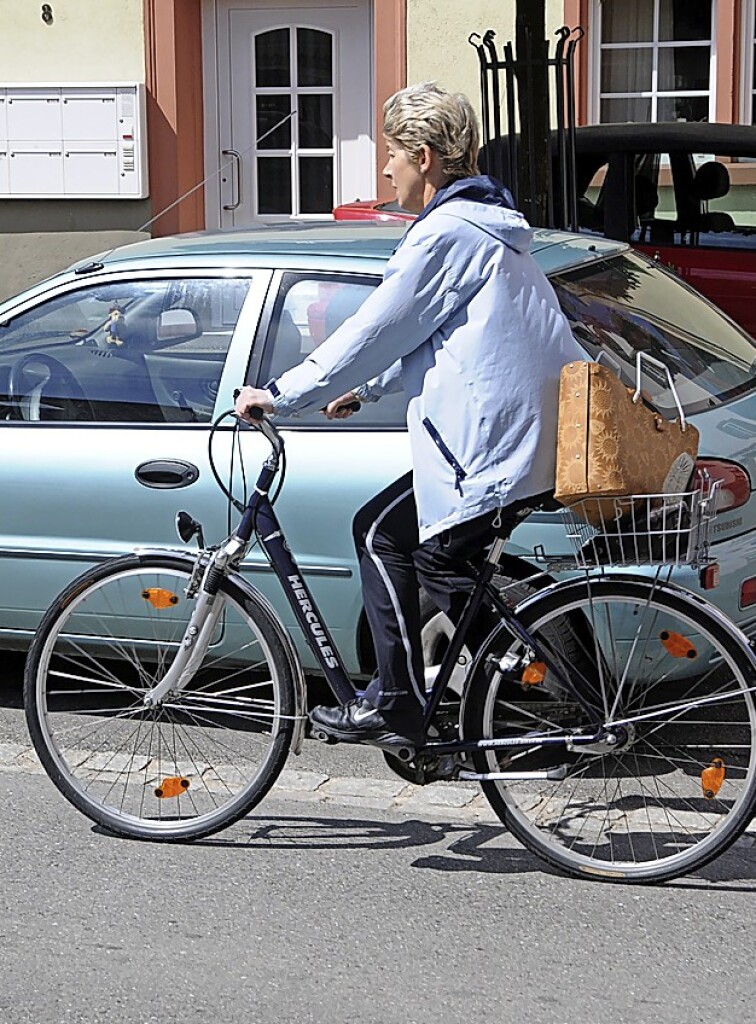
748, 592
734, 486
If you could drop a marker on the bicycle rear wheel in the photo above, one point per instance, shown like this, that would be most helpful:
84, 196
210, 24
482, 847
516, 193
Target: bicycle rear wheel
678, 788
206, 754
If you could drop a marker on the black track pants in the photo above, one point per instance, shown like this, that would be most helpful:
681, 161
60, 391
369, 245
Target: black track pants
393, 561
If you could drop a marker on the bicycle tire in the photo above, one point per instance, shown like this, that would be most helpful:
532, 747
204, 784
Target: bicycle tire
641, 812
201, 759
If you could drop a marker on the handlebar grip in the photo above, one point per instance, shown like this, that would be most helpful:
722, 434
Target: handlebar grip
253, 412
351, 406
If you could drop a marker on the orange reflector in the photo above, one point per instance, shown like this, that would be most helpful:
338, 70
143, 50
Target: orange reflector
677, 645
160, 598
173, 786
534, 673
709, 577
712, 778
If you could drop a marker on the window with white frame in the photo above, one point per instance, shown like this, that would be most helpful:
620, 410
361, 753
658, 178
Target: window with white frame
293, 107
655, 60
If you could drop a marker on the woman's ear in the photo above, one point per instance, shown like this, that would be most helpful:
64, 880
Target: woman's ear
425, 158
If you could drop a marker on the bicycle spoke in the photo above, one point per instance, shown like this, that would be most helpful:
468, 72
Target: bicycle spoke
203, 754
674, 781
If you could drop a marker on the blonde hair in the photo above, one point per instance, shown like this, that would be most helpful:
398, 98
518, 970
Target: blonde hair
424, 114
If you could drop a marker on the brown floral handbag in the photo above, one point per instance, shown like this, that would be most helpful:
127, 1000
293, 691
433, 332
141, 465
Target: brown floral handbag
610, 444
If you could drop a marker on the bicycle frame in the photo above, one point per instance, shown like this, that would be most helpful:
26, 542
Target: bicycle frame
259, 518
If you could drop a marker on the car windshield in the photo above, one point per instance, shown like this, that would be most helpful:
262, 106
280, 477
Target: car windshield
628, 304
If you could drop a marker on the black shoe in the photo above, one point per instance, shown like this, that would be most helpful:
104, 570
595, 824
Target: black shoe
359, 722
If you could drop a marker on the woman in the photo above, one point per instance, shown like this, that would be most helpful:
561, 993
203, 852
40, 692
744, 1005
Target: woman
469, 326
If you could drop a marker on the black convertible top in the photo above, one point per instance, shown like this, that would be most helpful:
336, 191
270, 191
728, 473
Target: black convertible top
666, 137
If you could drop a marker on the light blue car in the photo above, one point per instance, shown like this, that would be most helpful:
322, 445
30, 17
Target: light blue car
112, 373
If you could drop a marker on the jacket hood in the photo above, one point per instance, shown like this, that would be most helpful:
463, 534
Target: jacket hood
486, 204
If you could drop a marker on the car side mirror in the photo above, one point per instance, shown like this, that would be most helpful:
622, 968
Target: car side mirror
176, 325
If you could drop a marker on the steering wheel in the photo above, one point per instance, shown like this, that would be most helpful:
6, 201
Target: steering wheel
30, 376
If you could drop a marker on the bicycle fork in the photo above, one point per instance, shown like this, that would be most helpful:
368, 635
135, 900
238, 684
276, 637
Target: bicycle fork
199, 632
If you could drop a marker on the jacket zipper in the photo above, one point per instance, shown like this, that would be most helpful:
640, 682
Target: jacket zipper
459, 472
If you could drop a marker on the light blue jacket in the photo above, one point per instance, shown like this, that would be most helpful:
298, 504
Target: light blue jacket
469, 326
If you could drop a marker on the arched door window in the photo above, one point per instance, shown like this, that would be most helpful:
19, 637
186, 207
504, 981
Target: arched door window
293, 110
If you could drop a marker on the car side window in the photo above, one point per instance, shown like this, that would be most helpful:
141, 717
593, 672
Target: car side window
690, 200
307, 310
128, 351
724, 189
627, 304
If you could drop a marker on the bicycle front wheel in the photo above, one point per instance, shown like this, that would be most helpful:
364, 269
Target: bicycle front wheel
201, 758
672, 681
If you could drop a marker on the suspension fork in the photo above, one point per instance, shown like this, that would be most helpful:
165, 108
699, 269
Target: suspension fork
199, 632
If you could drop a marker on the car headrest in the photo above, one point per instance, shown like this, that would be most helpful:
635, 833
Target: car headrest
646, 196
711, 181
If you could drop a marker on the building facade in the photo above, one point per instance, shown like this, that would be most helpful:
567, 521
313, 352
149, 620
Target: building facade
270, 109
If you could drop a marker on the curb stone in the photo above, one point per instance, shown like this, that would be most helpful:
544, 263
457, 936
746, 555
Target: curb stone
437, 800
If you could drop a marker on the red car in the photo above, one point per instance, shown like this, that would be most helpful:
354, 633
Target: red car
685, 193
372, 209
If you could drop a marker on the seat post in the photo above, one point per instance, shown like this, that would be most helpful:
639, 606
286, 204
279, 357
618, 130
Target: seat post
495, 551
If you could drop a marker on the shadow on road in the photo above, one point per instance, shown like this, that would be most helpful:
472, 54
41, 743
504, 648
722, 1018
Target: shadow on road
465, 847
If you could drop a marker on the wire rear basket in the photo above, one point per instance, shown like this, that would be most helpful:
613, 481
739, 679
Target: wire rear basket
643, 529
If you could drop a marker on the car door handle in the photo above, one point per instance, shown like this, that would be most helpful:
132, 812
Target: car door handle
165, 473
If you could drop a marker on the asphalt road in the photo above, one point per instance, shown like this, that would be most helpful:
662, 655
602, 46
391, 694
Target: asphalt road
348, 914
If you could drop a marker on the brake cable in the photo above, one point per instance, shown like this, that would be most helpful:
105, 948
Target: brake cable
235, 443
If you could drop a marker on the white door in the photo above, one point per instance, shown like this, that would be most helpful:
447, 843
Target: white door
296, 110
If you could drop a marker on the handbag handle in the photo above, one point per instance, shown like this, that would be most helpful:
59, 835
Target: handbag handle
662, 366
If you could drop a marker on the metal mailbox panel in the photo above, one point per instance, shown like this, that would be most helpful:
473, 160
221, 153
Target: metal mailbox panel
78, 140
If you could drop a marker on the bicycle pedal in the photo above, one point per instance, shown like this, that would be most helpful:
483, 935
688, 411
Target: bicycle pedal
321, 736
403, 754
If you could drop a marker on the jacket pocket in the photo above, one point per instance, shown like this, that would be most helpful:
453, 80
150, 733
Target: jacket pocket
448, 454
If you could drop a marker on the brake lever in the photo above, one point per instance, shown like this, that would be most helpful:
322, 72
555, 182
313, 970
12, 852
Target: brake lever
351, 406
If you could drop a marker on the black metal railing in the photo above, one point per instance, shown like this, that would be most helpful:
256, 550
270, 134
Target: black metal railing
508, 85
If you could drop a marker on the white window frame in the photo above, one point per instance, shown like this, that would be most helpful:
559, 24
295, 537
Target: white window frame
597, 49
295, 151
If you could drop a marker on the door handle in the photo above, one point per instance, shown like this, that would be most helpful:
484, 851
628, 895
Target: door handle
162, 474
237, 190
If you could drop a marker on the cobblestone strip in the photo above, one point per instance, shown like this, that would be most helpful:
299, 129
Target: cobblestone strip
439, 800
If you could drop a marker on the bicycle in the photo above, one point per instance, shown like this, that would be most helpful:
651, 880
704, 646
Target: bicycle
610, 719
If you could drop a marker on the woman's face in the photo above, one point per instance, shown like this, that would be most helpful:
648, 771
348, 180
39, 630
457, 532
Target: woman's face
406, 177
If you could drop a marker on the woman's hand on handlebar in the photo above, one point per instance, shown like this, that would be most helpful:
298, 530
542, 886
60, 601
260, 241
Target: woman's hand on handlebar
249, 398
343, 407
